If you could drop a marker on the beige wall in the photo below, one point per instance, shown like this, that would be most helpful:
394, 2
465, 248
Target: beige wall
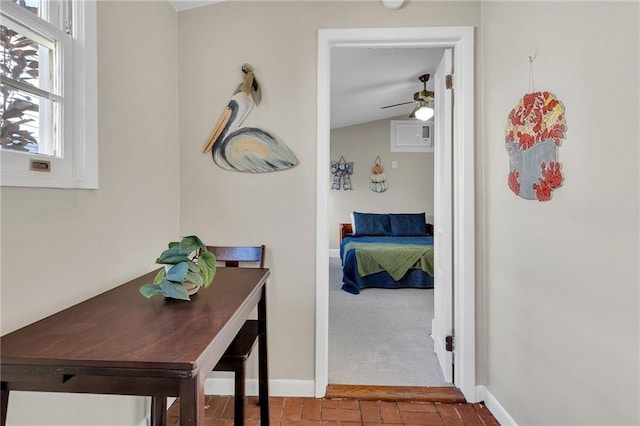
277, 209
561, 296
62, 246
410, 184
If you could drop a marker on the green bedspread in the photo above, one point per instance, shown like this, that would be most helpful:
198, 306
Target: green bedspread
396, 259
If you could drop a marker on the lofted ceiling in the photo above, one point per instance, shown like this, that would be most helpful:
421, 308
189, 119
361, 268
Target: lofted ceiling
363, 79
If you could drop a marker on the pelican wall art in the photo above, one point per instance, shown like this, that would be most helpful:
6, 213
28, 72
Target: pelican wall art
245, 148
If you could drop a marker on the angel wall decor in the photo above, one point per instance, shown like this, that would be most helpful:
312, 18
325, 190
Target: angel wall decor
341, 171
246, 148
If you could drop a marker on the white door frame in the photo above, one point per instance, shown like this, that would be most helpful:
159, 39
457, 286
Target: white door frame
461, 39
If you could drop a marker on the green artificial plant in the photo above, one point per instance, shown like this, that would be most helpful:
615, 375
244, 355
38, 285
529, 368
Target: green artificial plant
192, 263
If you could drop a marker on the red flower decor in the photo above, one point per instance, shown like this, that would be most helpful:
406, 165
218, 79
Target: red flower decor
539, 116
543, 191
552, 175
513, 181
551, 179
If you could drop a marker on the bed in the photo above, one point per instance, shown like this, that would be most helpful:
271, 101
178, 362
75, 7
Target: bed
386, 251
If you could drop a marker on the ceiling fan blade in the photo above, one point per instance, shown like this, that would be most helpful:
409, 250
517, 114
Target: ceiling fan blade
395, 105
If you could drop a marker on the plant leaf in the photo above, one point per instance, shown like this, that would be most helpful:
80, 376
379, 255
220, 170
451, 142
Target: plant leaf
159, 276
193, 267
207, 262
148, 290
172, 256
174, 290
194, 278
191, 243
23, 105
177, 272
23, 42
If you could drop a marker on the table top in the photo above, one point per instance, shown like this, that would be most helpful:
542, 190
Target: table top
121, 329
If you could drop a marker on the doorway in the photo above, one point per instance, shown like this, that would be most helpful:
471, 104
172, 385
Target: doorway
463, 273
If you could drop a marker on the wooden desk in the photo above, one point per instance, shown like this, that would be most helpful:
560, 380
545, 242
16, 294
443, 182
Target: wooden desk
121, 343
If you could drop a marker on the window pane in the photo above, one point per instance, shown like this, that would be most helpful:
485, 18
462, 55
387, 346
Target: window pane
28, 123
31, 5
28, 105
25, 60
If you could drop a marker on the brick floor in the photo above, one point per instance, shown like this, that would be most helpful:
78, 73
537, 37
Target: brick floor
288, 411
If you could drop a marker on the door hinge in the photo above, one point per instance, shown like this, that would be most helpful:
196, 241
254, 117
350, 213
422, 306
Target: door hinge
448, 340
449, 81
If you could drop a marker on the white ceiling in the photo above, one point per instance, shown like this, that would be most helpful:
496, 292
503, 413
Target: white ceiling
363, 79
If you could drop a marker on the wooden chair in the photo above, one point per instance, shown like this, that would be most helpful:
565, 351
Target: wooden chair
236, 355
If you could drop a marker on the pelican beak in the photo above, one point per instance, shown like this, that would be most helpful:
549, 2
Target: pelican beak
218, 130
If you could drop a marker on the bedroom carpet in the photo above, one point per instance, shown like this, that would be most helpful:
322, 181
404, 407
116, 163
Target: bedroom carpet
380, 336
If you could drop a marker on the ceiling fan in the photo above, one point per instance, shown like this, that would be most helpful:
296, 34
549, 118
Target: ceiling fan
423, 100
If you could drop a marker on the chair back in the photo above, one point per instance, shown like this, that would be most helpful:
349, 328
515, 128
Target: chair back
233, 255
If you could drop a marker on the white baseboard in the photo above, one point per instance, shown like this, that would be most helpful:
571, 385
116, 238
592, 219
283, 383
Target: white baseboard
498, 411
334, 253
224, 386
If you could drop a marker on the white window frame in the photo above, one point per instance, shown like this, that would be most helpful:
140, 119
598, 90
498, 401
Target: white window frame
77, 167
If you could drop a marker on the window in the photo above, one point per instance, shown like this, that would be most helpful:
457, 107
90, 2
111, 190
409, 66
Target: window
48, 105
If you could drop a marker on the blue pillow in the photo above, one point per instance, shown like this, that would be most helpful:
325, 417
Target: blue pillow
408, 224
371, 224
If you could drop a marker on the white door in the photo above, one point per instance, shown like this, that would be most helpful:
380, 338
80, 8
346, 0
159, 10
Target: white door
442, 325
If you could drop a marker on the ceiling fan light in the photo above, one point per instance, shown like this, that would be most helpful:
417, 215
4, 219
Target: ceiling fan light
424, 113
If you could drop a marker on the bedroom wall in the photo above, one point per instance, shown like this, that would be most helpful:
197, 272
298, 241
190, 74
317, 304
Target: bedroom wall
562, 297
410, 184
277, 209
60, 247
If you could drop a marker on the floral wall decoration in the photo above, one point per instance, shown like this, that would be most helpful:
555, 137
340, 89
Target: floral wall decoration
341, 171
378, 178
533, 134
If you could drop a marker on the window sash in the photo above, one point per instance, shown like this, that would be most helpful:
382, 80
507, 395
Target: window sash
51, 43
77, 98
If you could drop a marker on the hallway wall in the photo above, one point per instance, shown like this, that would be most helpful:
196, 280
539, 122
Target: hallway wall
561, 296
62, 246
278, 209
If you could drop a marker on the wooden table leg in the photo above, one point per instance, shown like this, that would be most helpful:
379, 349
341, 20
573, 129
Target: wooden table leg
5, 403
263, 362
192, 401
158, 411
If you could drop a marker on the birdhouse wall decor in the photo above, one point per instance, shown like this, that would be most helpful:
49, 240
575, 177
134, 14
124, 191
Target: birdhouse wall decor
533, 133
247, 148
341, 171
378, 178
